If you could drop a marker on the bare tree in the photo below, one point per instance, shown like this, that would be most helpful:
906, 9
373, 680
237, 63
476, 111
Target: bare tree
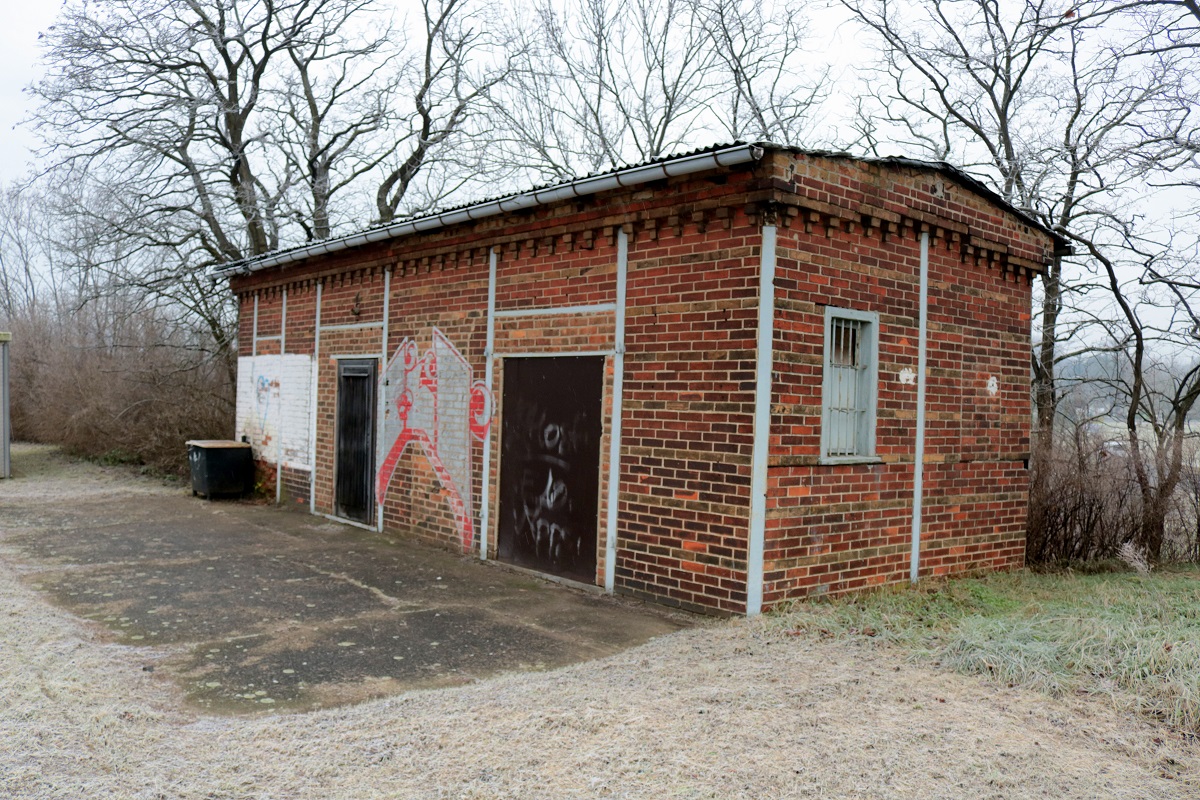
767, 88
216, 130
1084, 505
621, 81
156, 109
37, 272
1035, 99
1158, 375
446, 88
217, 109
1187, 519
1166, 24
602, 83
335, 106
21, 283
98, 368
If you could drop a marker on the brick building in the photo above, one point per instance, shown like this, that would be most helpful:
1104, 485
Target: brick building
701, 380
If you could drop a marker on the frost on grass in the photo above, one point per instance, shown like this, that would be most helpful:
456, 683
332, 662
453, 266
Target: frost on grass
1132, 640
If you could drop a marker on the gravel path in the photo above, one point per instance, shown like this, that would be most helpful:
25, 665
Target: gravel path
726, 710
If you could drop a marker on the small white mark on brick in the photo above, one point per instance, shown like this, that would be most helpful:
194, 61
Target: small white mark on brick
907, 376
993, 385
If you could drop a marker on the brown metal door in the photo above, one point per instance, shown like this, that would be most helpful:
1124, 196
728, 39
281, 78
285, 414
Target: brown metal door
550, 464
355, 464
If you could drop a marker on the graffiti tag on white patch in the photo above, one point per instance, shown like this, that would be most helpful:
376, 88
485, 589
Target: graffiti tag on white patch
273, 401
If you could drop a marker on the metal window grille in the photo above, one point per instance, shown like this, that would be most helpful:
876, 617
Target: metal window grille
849, 392
847, 368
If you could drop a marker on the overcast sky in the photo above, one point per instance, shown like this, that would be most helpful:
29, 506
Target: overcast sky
18, 54
22, 22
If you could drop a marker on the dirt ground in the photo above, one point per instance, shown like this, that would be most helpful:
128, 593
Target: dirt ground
720, 710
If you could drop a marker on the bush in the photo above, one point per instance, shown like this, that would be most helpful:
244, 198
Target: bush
1183, 531
1083, 501
117, 384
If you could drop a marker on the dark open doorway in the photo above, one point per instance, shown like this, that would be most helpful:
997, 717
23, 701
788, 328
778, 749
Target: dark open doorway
550, 464
354, 467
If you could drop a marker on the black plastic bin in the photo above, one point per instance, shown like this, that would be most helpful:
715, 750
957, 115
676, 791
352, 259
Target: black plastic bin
221, 467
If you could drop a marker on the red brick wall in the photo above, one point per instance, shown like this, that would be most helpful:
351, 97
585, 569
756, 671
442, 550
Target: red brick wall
295, 487
556, 272
450, 295
833, 529
689, 403
847, 237
272, 340
351, 326
689, 396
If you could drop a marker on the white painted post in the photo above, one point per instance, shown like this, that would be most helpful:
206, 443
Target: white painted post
254, 367
485, 496
5, 410
313, 391
282, 415
382, 402
614, 440
914, 566
762, 424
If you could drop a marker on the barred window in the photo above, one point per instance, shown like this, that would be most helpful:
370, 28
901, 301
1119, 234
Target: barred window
848, 392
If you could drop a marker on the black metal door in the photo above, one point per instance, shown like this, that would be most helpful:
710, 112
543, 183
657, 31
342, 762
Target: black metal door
550, 464
355, 464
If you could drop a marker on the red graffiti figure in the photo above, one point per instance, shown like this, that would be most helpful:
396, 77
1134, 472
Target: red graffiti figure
433, 401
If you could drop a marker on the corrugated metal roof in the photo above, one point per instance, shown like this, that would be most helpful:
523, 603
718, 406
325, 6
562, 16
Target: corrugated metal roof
699, 151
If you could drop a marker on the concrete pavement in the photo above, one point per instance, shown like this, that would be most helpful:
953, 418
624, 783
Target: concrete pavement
251, 607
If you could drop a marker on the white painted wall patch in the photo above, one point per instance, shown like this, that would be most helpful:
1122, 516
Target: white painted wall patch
907, 377
993, 385
273, 395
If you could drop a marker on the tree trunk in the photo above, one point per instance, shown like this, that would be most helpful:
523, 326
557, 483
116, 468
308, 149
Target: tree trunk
1045, 396
1154, 524
320, 196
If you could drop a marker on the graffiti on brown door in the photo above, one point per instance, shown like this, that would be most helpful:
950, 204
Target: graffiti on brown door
550, 463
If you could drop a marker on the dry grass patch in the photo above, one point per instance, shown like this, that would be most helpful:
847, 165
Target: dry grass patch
1132, 639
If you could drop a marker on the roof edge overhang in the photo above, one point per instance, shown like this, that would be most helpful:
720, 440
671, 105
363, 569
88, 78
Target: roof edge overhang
689, 164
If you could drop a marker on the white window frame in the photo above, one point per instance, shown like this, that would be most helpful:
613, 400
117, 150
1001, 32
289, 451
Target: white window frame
869, 353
